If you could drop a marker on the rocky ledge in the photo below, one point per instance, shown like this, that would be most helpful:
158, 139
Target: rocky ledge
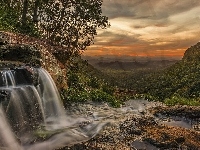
18, 49
137, 126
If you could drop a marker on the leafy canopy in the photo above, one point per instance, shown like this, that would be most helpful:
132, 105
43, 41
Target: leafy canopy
71, 24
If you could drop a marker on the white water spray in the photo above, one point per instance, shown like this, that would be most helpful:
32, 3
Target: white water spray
34, 110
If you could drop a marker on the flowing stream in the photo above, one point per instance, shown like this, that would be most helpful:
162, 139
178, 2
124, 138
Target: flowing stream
29, 112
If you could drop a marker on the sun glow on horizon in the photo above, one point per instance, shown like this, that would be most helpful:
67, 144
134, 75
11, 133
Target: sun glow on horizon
148, 28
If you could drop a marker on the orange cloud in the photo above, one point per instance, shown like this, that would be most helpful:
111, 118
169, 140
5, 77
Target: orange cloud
128, 51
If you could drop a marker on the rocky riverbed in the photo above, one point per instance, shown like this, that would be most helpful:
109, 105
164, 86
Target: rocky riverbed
139, 125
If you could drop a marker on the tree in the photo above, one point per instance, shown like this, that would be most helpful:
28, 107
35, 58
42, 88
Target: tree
69, 24
35, 11
24, 12
72, 24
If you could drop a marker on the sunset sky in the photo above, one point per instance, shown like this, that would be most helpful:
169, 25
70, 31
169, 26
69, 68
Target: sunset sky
148, 28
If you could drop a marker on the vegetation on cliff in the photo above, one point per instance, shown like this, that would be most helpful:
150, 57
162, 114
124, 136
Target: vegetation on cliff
71, 25
61, 30
53, 34
180, 80
88, 84
176, 84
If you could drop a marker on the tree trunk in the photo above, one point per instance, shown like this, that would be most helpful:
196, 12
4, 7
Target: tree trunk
35, 11
24, 12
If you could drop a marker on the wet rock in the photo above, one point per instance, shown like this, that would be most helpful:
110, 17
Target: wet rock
4, 95
191, 112
136, 131
141, 145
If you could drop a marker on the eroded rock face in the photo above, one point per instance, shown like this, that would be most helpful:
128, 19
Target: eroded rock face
20, 52
20, 49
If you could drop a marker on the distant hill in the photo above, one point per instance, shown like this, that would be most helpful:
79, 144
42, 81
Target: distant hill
182, 78
192, 53
133, 65
159, 78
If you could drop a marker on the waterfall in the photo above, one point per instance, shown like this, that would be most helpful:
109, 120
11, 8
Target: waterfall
28, 110
51, 101
8, 140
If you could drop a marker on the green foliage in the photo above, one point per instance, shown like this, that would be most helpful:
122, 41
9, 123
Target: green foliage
94, 82
142, 96
9, 21
87, 84
100, 96
96, 95
108, 88
178, 100
71, 25
75, 80
28, 29
75, 95
182, 79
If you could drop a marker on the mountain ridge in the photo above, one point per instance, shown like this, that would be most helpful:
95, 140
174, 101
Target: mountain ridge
182, 78
131, 65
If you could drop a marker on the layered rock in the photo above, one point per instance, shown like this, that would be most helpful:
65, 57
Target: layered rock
17, 49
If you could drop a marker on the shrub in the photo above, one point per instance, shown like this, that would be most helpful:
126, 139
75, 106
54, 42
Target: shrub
94, 82
178, 100
108, 89
74, 95
96, 95
101, 96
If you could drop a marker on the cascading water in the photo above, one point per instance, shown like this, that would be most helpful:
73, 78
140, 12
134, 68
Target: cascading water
52, 106
29, 110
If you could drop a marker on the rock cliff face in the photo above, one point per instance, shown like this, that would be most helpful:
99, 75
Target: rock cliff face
192, 53
22, 53
18, 49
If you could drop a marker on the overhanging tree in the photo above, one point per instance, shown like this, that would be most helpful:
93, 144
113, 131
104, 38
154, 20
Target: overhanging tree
72, 24
69, 24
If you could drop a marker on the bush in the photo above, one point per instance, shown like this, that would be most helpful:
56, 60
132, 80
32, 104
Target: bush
96, 95
74, 95
178, 100
94, 82
101, 96
9, 21
108, 89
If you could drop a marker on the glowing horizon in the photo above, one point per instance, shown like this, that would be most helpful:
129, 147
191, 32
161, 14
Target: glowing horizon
148, 28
